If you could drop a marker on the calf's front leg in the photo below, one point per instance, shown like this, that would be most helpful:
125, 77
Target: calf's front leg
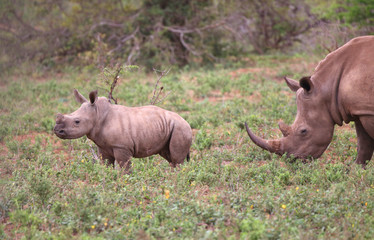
123, 158
106, 158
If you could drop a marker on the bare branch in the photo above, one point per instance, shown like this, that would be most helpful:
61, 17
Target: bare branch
95, 156
155, 97
134, 50
181, 31
124, 39
192, 30
114, 84
8, 29
23, 23
106, 23
162, 99
187, 46
132, 35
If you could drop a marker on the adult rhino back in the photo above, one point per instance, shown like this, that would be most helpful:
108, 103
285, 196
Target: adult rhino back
341, 89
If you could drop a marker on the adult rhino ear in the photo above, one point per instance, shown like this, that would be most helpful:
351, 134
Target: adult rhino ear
292, 84
79, 97
93, 97
307, 84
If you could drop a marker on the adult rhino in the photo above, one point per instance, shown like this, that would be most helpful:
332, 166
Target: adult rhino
123, 132
341, 89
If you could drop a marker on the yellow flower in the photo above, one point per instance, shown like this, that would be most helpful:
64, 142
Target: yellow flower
93, 226
284, 206
167, 194
82, 161
317, 190
251, 206
66, 204
105, 224
366, 204
140, 202
297, 188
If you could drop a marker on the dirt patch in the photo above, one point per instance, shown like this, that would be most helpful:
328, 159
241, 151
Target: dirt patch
9, 228
46, 138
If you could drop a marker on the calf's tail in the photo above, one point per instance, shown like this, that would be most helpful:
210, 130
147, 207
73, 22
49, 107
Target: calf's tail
188, 156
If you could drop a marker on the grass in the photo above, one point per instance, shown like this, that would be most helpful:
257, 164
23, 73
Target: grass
231, 189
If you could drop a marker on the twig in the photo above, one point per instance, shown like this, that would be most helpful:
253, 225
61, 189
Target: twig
155, 97
114, 84
96, 158
162, 99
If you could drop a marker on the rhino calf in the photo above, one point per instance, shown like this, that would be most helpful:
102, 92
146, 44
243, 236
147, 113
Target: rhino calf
123, 132
341, 89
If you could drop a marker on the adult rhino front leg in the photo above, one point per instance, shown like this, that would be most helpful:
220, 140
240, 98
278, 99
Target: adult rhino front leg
365, 143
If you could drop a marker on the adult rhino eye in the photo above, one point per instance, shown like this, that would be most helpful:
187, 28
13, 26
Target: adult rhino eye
303, 131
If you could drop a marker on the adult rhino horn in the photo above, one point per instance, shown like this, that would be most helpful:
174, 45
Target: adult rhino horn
273, 146
285, 129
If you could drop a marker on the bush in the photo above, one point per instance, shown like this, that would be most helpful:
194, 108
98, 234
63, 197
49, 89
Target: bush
147, 33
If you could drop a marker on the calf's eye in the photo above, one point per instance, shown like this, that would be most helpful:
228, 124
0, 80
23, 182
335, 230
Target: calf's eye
77, 121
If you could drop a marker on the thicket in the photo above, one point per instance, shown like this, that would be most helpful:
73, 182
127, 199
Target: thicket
151, 33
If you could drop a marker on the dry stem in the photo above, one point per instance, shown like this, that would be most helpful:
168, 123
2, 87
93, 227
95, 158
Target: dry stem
155, 99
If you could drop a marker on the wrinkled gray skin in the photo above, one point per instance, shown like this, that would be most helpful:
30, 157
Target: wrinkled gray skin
340, 90
123, 132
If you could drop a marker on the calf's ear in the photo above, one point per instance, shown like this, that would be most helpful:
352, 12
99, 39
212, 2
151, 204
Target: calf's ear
79, 97
292, 84
93, 97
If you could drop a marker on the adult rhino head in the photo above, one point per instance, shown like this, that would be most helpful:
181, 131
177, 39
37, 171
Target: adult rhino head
341, 89
312, 130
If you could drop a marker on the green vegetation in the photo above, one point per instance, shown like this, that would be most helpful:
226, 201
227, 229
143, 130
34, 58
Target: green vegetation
50, 189
355, 11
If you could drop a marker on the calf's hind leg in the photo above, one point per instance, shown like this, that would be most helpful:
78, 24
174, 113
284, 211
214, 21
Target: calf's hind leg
179, 146
365, 143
